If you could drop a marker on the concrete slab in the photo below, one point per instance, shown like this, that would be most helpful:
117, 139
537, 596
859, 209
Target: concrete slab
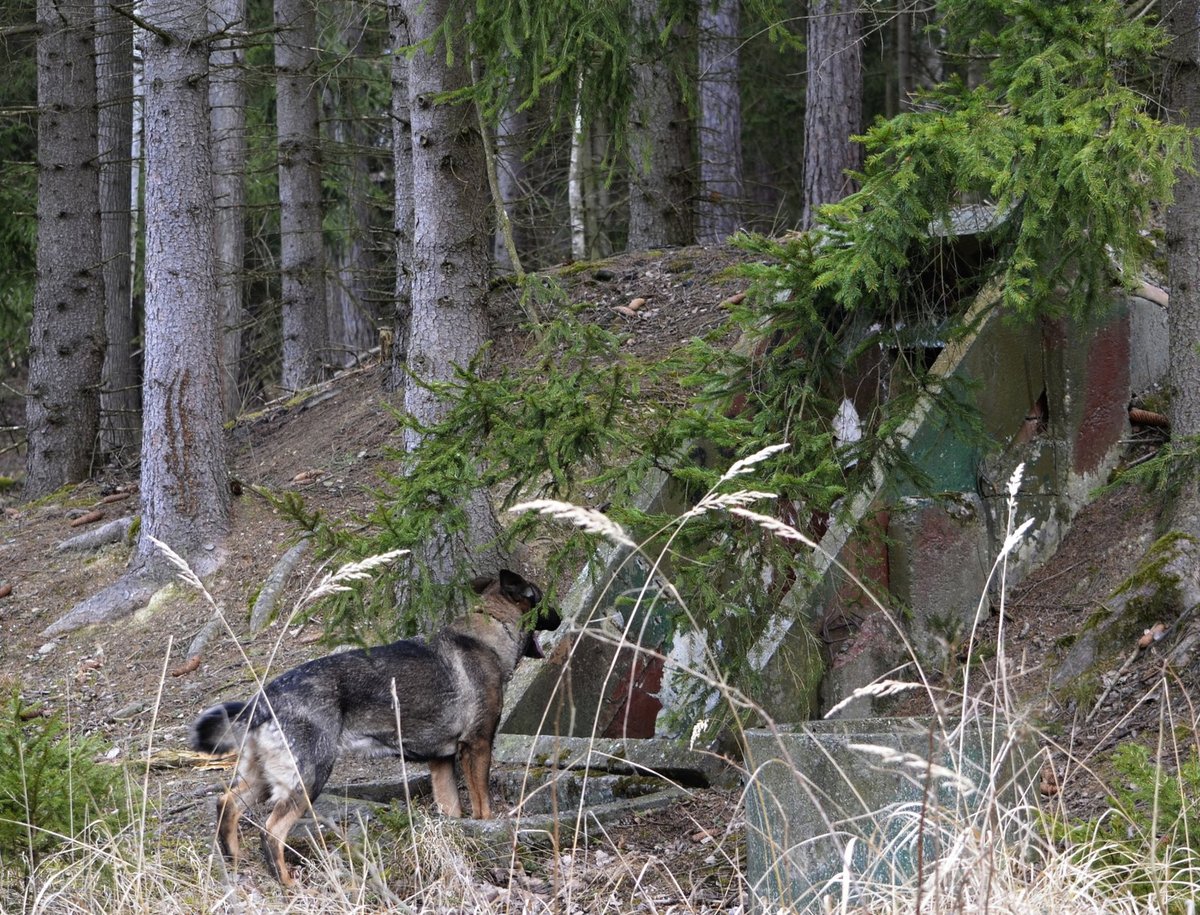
825, 816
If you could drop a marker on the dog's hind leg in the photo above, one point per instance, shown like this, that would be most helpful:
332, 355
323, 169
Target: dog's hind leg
245, 790
275, 832
476, 758
445, 791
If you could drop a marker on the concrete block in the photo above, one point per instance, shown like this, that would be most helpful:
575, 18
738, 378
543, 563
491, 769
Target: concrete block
824, 816
940, 555
1148, 361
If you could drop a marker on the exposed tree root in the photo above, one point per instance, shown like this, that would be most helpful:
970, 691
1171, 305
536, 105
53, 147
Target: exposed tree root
113, 532
272, 589
126, 595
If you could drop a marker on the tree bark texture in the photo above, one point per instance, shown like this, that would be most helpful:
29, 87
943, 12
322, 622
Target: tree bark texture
227, 116
66, 346
833, 103
302, 247
400, 36
451, 225
185, 495
452, 235
659, 145
581, 149
1183, 254
719, 206
355, 259
120, 392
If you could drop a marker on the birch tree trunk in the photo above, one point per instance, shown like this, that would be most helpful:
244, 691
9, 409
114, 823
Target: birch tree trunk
833, 103
451, 238
120, 416
581, 149
718, 209
302, 254
659, 148
66, 345
227, 98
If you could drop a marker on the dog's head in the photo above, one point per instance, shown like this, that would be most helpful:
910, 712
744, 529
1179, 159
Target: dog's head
528, 597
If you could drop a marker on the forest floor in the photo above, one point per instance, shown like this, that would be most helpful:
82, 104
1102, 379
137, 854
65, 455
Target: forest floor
128, 682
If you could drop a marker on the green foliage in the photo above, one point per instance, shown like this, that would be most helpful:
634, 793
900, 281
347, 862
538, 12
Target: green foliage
52, 789
1152, 828
1056, 139
1176, 462
580, 52
583, 419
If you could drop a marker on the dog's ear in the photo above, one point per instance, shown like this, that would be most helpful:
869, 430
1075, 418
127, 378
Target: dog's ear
518, 590
513, 585
480, 584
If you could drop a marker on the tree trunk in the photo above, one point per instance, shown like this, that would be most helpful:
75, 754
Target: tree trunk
184, 488
120, 416
833, 103
227, 97
302, 254
402, 163
597, 202
659, 149
66, 345
185, 492
581, 148
1183, 256
352, 321
904, 84
511, 137
452, 234
718, 210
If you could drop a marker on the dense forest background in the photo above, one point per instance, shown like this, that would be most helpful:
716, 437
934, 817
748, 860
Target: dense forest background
208, 207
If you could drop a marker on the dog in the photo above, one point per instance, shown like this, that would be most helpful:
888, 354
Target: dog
428, 702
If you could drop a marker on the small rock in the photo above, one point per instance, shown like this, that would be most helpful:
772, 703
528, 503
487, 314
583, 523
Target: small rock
47, 648
604, 275
134, 708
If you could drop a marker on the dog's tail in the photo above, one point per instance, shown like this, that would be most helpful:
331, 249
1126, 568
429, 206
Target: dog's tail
221, 728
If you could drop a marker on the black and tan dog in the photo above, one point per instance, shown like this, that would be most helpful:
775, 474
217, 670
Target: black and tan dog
449, 693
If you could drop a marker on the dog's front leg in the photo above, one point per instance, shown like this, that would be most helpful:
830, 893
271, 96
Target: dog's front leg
229, 811
476, 758
445, 791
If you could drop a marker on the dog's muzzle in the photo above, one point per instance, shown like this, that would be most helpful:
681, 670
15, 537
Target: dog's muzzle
547, 620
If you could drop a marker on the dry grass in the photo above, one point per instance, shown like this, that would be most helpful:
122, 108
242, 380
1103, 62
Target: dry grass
981, 843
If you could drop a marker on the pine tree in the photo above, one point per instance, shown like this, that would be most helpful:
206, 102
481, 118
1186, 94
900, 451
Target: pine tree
227, 97
66, 345
833, 103
184, 486
120, 397
302, 254
719, 137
